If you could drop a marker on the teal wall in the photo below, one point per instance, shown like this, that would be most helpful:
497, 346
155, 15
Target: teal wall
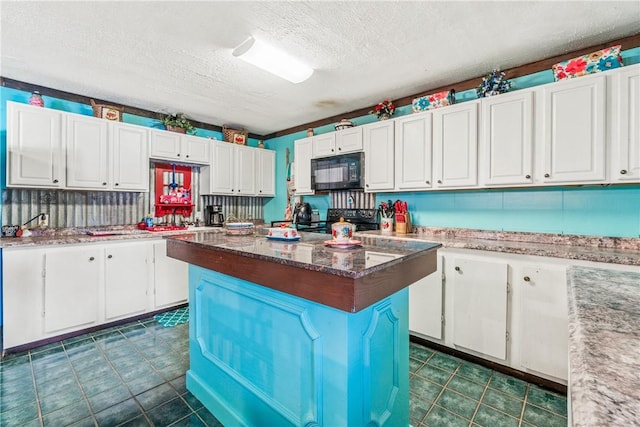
594, 210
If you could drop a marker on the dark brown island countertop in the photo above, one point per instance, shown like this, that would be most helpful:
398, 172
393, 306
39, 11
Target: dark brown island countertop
346, 279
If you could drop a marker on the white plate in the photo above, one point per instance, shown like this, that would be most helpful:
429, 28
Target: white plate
343, 245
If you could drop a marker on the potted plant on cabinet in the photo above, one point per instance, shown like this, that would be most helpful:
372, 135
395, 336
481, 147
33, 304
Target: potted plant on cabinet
178, 123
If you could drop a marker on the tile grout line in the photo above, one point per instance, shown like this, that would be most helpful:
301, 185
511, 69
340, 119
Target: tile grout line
84, 395
484, 391
524, 406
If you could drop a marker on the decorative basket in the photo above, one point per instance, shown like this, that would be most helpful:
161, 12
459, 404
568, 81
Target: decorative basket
435, 100
234, 135
109, 112
594, 62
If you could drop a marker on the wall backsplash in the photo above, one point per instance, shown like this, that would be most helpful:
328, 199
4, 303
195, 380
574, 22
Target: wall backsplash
353, 200
68, 208
74, 208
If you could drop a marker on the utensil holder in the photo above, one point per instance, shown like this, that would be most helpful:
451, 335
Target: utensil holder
386, 225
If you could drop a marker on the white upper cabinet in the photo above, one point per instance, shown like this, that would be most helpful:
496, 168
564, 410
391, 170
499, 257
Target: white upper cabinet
87, 152
506, 139
413, 152
166, 145
219, 177
234, 170
349, 140
573, 130
626, 126
324, 145
245, 171
266, 175
302, 154
129, 158
455, 146
104, 155
35, 147
195, 149
378, 156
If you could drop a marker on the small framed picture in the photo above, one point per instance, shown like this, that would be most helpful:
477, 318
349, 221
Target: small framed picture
239, 138
113, 114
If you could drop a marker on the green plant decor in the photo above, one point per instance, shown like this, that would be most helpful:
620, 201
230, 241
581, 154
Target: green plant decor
180, 121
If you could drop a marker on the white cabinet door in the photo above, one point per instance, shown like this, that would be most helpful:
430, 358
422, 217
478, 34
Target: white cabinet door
455, 146
626, 138
324, 145
195, 149
506, 139
245, 171
378, 156
426, 304
266, 176
413, 148
479, 289
165, 145
171, 278
72, 277
22, 295
544, 322
302, 153
129, 157
349, 140
573, 130
221, 171
35, 148
127, 277
87, 152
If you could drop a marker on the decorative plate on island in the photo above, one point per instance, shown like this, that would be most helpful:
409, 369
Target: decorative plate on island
343, 245
284, 239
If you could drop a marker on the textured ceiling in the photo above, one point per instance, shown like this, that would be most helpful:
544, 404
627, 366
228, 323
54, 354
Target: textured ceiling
176, 56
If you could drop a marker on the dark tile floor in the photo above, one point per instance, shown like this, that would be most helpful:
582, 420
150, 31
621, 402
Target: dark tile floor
134, 375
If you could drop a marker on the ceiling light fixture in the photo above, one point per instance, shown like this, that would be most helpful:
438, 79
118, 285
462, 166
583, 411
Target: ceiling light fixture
273, 60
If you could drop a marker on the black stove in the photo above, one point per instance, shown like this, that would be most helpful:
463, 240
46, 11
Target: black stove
364, 219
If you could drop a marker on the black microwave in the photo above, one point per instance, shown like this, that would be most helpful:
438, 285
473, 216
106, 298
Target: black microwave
343, 172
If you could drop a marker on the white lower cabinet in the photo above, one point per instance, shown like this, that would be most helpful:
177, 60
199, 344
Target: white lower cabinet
126, 279
479, 293
540, 299
171, 278
55, 290
509, 309
71, 295
426, 305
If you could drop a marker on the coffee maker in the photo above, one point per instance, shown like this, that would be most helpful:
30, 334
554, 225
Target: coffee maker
213, 216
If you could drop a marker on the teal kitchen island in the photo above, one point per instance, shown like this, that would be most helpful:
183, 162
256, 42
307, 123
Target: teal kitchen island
296, 333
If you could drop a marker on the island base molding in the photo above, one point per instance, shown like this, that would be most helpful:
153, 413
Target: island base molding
262, 357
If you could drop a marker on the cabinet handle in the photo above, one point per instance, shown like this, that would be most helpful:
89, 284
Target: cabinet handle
367, 185
91, 259
439, 181
55, 181
109, 256
528, 176
187, 156
428, 182
104, 183
457, 268
339, 148
623, 172
117, 183
526, 278
178, 155
332, 150
546, 175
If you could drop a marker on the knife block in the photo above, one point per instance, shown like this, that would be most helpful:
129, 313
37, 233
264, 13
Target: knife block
403, 227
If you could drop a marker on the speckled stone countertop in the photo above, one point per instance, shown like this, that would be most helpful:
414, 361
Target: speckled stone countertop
612, 250
311, 253
604, 346
67, 236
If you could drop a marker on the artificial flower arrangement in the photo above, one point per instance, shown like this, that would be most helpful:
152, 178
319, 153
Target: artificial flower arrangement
493, 84
384, 109
178, 120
